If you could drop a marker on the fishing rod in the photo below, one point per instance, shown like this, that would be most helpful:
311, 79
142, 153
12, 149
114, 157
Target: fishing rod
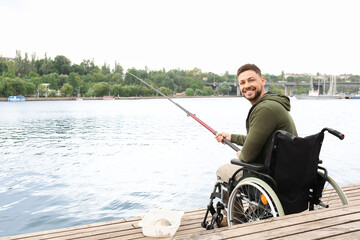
187, 112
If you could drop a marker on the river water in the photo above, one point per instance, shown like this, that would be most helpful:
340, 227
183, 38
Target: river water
67, 163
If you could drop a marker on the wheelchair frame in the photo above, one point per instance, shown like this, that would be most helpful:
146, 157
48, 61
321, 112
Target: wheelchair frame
253, 197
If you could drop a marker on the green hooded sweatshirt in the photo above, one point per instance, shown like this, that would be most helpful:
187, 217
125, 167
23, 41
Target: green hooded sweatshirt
267, 115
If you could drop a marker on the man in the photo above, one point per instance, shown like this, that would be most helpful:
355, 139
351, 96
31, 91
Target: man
269, 113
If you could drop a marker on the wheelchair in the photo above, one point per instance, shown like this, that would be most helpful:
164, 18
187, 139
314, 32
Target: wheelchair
292, 180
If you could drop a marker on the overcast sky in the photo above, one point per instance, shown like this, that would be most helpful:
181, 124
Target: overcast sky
298, 36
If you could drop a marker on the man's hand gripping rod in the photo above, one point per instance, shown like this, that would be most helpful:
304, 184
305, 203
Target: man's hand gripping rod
188, 113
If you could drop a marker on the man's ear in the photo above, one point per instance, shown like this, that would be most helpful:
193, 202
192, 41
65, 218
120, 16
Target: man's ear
263, 80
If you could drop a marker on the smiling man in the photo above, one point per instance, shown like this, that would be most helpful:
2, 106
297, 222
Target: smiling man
269, 113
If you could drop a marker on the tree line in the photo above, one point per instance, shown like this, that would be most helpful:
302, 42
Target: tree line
46, 77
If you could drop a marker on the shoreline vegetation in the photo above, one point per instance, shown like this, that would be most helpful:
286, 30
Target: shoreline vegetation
3, 99
35, 77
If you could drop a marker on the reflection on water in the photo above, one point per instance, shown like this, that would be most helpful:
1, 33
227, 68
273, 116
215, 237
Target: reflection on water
72, 163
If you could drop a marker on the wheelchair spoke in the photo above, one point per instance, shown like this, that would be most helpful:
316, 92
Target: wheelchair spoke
250, 202
332, 194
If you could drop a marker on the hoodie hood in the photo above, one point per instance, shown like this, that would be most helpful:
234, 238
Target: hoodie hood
282, 99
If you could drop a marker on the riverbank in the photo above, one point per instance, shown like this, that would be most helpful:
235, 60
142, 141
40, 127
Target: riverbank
2, 99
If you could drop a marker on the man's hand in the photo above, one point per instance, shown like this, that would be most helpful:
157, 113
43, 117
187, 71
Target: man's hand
220, 136
238, 154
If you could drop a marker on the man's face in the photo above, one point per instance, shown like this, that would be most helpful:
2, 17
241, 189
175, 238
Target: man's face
251, 85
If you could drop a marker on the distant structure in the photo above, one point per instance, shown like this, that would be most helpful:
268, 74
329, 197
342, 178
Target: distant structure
7, 59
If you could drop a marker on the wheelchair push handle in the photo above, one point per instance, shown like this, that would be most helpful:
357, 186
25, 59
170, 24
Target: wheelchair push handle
334, 132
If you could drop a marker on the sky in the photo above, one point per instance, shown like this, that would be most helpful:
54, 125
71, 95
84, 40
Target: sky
298, 36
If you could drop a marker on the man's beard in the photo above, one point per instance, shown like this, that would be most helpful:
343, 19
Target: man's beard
256, 95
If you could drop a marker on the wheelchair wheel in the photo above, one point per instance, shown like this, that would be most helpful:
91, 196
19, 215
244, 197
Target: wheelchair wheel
251, 200
332, 194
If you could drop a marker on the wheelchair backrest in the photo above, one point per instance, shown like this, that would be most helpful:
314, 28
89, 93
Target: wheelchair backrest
293, 162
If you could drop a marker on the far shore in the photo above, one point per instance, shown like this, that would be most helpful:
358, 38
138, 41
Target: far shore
3, 99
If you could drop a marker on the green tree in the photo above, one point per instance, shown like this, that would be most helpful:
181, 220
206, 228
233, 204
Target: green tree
178, 77
77, 69
117, 90
90, 92
145, 91
5, 88
62, 64
3, 66
52, 93
66, 90
36, 81
99, 77
33, 63
105, 69
166, 91
224, 88
11, 70
101, 89
29, 88
42, 90
131, 80
63, 78
19, 66
46, 65
277, 89
189, 92
26, 65
208, 91
161, 79
89, 67
52, 79
16, 86
127, 91
116, 77
198, 92
33, 74
75, 80
118, 69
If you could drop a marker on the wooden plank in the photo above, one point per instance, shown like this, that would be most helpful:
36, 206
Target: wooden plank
268, 226
342, 221
324, 231
124, 224
118, 228
346, 236
294, 231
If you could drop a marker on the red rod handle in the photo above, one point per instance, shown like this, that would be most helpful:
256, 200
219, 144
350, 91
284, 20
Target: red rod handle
202, 123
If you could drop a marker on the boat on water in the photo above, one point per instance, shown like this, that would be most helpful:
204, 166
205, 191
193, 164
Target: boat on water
354, 96
315, 94
108, 97
319, 97
16, 98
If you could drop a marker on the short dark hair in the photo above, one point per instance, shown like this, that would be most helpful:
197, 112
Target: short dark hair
247, 67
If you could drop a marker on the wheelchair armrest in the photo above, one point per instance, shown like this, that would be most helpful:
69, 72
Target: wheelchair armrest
252, 166
286, 134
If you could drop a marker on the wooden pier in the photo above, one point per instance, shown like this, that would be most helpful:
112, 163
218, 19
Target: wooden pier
337, 222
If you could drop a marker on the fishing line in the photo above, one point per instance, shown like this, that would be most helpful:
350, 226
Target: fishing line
187, 112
